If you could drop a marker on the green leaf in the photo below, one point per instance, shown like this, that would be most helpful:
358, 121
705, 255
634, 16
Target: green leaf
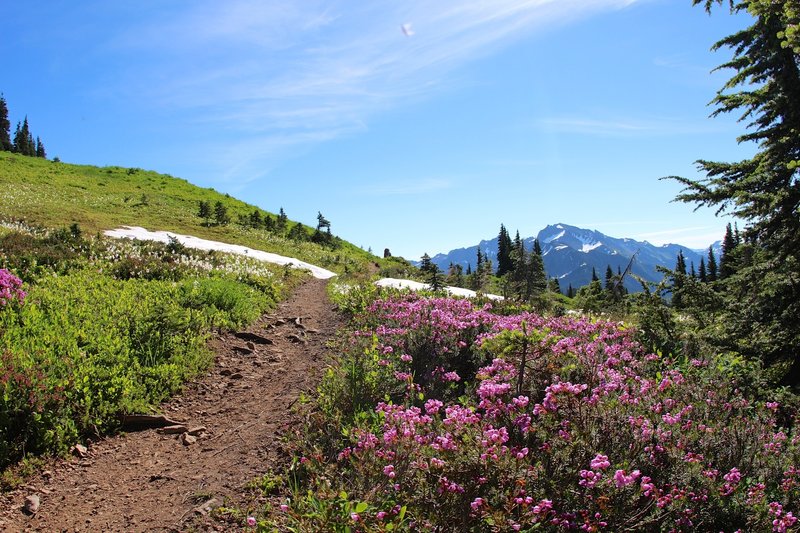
361, 507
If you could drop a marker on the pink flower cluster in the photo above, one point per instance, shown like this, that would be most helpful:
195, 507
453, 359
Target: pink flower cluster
506, 446
10, 288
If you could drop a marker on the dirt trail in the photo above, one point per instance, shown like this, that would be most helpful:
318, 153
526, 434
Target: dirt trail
150, 481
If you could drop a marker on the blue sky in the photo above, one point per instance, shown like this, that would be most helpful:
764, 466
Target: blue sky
416, 125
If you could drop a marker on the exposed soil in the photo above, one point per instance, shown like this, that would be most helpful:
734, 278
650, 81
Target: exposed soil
152, 481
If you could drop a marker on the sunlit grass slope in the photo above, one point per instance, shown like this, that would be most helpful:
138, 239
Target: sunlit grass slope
51, 194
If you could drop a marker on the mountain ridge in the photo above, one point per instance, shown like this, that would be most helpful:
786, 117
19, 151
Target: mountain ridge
570, 253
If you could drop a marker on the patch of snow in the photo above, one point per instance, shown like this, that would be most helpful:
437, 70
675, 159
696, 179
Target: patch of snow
417, 286
588, 247
560, 234
561, 247
134, 232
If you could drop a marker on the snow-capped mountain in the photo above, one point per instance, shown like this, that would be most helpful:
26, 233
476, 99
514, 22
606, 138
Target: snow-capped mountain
570, 253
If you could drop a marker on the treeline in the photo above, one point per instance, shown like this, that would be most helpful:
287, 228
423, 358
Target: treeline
519, 273
217, 214
23, 141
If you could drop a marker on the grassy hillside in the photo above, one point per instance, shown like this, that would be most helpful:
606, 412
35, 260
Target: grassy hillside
53, 195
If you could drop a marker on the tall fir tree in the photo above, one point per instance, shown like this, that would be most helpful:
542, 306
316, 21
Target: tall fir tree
23, 139
537, 277
5, 127
204, 211
726, 260
765, 89
680, 263
282, 220
702, 274
40, 152
679, 281
712, 264
609, 281
504, 245
554, 286
761, 314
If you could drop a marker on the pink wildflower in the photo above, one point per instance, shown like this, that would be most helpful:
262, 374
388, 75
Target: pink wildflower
600, 462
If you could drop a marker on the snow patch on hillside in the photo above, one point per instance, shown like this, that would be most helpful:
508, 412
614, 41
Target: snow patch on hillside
417, 286
134, 232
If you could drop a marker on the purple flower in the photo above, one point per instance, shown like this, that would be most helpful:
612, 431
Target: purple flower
600, 462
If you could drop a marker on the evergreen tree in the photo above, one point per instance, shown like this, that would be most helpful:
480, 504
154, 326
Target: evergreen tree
609, 283
594, 275
204, 211
702, 274
536, 276
269, 223
761, 295
476, 277
431, 272
763, 189
40, 152
554, 286
678, 281
455, 275
221, 216
298, 233
591, 297
469, 269
282, 221
570, 291
322, 222
254, 220
22, 139
516, 278
5, 127
680, 263
435, 278
712, 265
726, 261
504, 245
425, 263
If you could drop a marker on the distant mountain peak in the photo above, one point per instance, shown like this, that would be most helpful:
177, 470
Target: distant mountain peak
571, 253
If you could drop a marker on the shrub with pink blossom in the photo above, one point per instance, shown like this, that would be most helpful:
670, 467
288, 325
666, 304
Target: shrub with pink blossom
10, 288
554, 424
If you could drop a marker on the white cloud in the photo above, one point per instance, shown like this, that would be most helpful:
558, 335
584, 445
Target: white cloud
314, 69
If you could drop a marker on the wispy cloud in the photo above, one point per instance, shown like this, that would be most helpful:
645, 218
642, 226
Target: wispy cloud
315, 69
626, 127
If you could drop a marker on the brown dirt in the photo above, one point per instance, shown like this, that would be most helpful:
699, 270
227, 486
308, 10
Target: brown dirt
149, 481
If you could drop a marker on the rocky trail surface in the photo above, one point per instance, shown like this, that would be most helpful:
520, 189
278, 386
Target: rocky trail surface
227, 433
